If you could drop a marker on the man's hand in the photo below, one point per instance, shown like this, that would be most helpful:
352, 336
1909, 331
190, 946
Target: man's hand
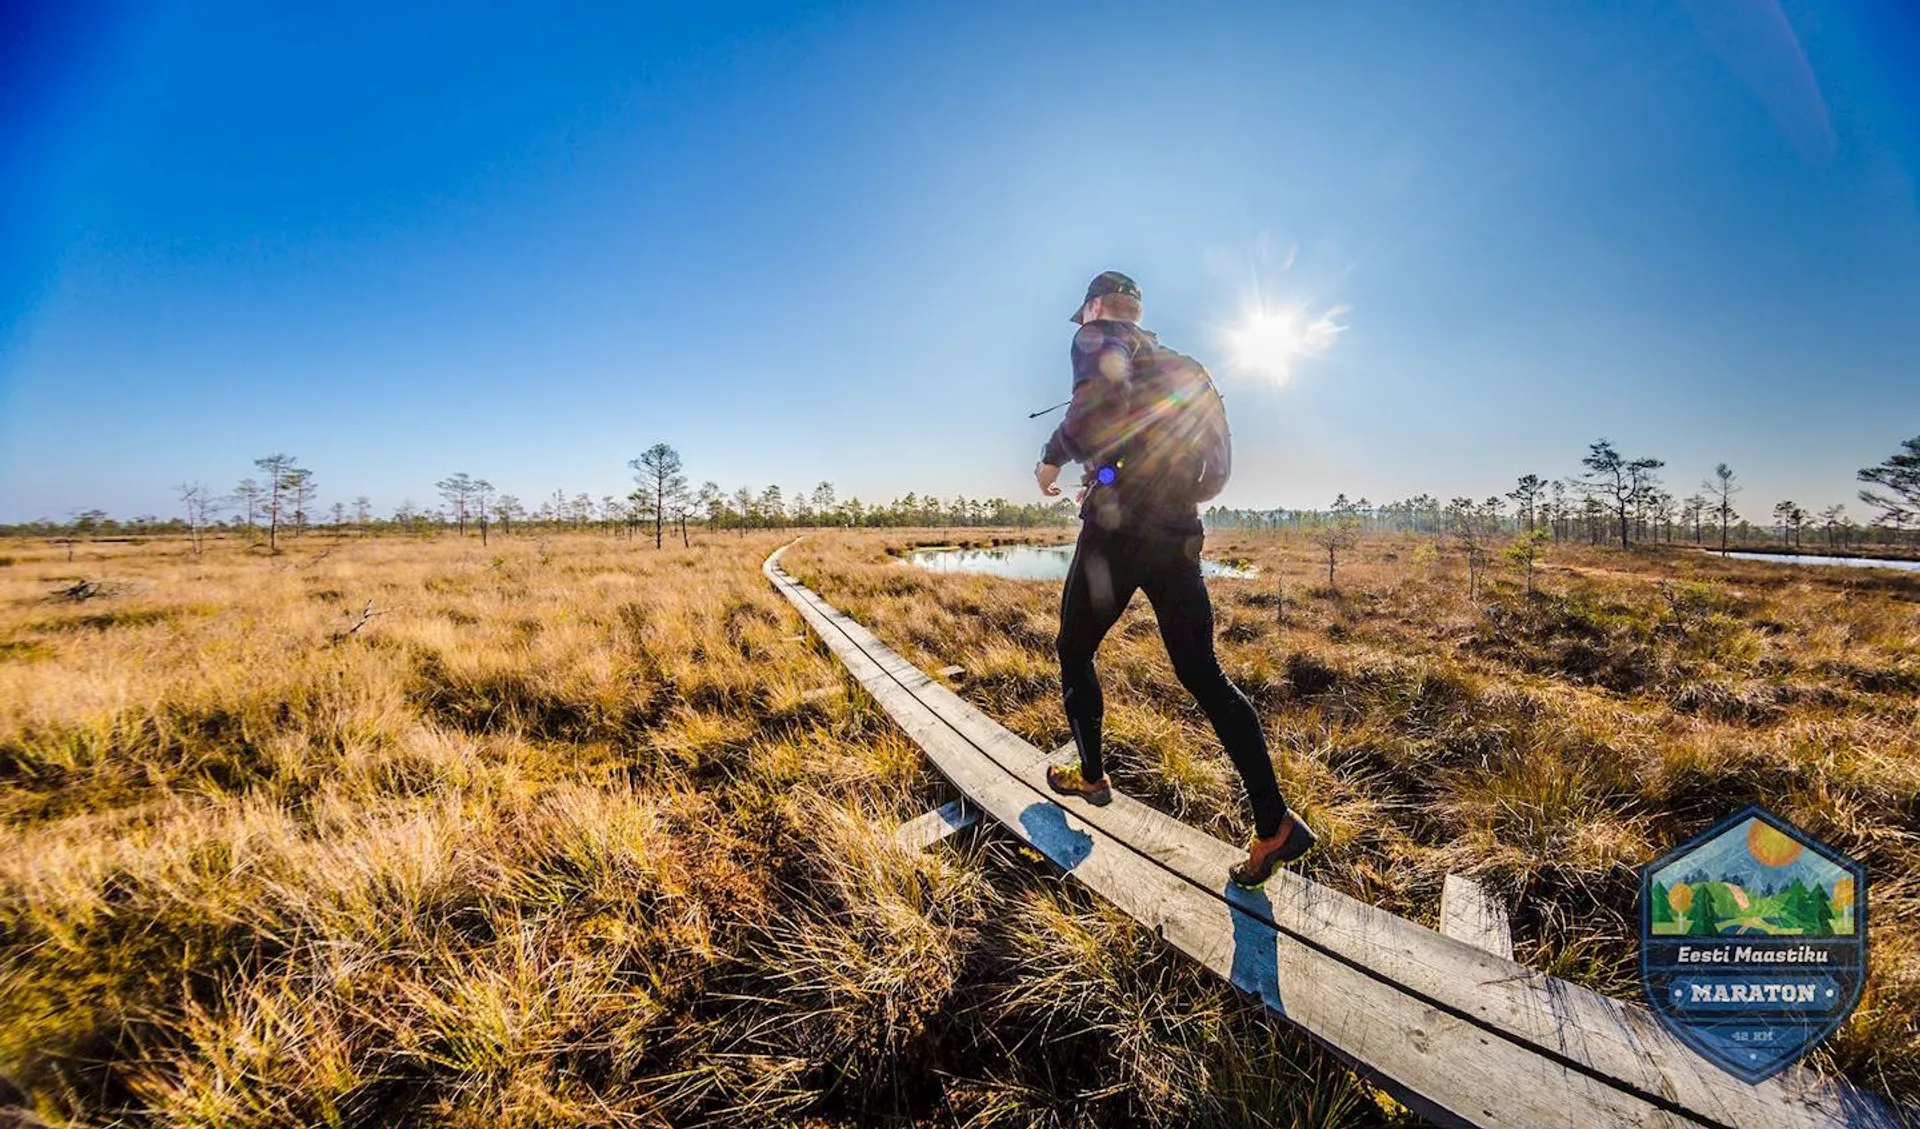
1046, 475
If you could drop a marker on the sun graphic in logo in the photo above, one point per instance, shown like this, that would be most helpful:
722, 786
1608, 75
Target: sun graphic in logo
1770, 847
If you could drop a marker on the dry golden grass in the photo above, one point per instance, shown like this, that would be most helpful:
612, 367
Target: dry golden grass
572, 832
1548, 746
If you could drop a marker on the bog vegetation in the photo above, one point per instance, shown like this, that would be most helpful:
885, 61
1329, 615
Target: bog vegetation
570, 831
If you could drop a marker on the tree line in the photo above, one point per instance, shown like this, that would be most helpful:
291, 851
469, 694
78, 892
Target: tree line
282, 499
1613, 499
1616, 499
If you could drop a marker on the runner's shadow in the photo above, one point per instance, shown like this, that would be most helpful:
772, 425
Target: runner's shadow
1047, 829
1256, 956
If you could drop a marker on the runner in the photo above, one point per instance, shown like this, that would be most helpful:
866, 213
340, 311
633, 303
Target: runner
1149, 458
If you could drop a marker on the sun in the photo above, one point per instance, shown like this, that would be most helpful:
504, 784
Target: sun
1769, 847
1268, 344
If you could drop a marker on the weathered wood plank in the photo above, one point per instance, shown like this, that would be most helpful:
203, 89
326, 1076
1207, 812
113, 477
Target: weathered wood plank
1469, 913
1490, 1041
928, 828
1568, 1024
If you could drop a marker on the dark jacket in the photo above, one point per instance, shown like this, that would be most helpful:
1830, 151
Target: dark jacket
1097, 426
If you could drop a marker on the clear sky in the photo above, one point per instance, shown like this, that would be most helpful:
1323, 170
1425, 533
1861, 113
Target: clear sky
841, 243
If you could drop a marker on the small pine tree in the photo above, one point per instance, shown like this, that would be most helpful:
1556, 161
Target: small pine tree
1819, 912
1703, 922
1660, 909
1795, 908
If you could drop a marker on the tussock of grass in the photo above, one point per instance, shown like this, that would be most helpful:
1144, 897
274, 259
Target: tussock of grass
578, 832
1549, 745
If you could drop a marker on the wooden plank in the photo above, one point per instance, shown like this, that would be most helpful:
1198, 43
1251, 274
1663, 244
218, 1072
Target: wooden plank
928, 828
1465, 1029
1469, 913
1331, 1000
1570, 1025
951, 672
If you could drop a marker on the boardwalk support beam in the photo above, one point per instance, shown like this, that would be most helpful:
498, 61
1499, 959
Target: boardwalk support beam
1468, 912
925, 830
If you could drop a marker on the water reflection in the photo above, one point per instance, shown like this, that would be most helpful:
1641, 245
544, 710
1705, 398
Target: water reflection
1856, 562
1030, 562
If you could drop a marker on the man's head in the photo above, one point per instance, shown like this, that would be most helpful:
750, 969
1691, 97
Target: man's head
1111, 296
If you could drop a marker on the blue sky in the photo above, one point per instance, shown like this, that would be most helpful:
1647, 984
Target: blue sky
840, 243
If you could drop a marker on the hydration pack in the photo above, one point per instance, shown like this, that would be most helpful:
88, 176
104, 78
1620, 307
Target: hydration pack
1178, 450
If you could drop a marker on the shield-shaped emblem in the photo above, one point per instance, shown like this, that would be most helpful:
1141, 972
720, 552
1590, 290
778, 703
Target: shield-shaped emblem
1753, 942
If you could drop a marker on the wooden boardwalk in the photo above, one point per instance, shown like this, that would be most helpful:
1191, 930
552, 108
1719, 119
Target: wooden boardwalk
1462, 1035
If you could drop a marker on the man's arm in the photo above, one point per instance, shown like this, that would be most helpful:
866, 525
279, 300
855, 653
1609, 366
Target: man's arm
1102, 368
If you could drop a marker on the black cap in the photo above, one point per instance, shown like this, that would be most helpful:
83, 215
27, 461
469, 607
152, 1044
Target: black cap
1106, 282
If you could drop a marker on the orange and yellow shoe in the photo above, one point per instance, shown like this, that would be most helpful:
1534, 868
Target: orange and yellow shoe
1066, 780
1264, 856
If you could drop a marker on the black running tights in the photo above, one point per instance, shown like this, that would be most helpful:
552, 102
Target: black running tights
1107, 568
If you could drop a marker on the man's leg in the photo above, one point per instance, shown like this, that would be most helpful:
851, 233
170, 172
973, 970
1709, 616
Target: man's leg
1180, 603
1099, 584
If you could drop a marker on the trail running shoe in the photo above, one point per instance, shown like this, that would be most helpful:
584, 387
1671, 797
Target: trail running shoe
1066, 780
1290, 844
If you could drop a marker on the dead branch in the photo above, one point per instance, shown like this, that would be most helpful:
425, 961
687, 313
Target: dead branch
82, 590
366, 616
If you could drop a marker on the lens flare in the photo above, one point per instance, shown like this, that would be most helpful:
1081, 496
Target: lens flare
1270, 344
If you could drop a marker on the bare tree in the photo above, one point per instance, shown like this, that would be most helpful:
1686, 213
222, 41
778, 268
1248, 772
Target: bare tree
301, 491
1720, 491
1783, 518
1472, 528
1830, 520
1526, 496
247, 496
458, 490
280, 471
1691, 512
362, 512
1336, 533
339, 515
656, 474
199, 504
1898, 475
743, 501
482, 498
1660, 510
507, 509
1619, 481
684, 508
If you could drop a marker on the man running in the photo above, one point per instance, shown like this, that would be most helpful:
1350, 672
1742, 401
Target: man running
1142, 531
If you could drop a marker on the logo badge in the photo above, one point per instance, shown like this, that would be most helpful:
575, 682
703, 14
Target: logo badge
1753, 942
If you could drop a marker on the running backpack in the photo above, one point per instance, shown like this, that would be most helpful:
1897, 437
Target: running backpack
1179, 450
